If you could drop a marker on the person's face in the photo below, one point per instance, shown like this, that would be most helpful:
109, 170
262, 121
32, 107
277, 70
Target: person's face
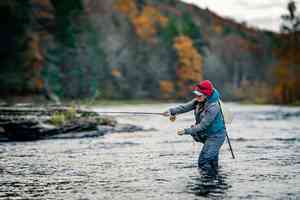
201, 98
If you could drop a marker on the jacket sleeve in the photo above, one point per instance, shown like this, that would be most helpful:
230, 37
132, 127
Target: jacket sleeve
183, 108
208, 118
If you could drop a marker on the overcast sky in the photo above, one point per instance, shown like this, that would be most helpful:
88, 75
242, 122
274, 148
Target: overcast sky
260, 13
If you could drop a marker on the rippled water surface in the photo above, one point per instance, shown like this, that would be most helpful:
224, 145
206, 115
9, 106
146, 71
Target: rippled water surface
159, 164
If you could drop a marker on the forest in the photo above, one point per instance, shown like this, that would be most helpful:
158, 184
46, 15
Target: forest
142, 49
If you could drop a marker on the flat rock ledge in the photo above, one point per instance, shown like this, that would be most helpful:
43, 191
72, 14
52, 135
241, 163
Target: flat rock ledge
34, 123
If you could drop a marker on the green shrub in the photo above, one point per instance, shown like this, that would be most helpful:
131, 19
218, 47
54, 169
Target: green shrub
57, 119
71, 113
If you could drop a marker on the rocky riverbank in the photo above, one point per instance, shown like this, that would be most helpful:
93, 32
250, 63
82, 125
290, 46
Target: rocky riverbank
26, 123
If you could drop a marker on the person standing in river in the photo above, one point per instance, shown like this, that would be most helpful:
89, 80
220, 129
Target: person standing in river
209, 128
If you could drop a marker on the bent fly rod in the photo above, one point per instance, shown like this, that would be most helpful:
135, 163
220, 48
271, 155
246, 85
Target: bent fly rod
228, 140
171, 117
132, 113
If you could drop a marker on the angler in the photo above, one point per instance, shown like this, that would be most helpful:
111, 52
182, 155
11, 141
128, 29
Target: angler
209, 128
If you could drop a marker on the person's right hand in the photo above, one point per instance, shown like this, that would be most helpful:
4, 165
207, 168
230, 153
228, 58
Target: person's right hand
168, 114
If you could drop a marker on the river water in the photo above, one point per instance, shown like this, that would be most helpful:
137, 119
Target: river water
158, 164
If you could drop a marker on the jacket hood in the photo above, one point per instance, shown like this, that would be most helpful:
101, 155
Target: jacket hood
215, 96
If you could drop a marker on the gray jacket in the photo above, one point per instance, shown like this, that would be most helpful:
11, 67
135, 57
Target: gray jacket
208, 116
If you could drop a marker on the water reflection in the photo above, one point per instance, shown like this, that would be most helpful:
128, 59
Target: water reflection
208, 185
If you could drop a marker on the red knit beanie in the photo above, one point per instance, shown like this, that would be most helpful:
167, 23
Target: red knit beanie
205, 87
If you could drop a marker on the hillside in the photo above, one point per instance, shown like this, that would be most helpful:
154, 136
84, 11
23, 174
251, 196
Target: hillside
127, 49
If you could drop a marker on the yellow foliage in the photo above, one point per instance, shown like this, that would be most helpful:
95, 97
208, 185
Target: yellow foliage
71, 112
61, 118
57, 119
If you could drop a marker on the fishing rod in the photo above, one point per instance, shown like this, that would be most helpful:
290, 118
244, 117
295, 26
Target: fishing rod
133, 113
172, 117
228, 140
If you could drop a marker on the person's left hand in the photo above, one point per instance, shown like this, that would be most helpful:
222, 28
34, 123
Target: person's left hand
166, 113
172, 118
180, 132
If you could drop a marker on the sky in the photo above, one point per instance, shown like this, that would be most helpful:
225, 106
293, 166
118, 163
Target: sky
264, 14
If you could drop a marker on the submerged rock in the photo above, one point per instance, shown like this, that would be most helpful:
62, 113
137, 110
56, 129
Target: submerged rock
25, 124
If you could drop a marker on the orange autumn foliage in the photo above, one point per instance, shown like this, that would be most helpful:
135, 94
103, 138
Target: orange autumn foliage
145, 22
287, 85
34, 54
217, 26
34, 47
35, 60
116, 73
190, 60
143, 27
46, 13
190, 67
166, 88
287, 71
39, 83
154, 15
127, 7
